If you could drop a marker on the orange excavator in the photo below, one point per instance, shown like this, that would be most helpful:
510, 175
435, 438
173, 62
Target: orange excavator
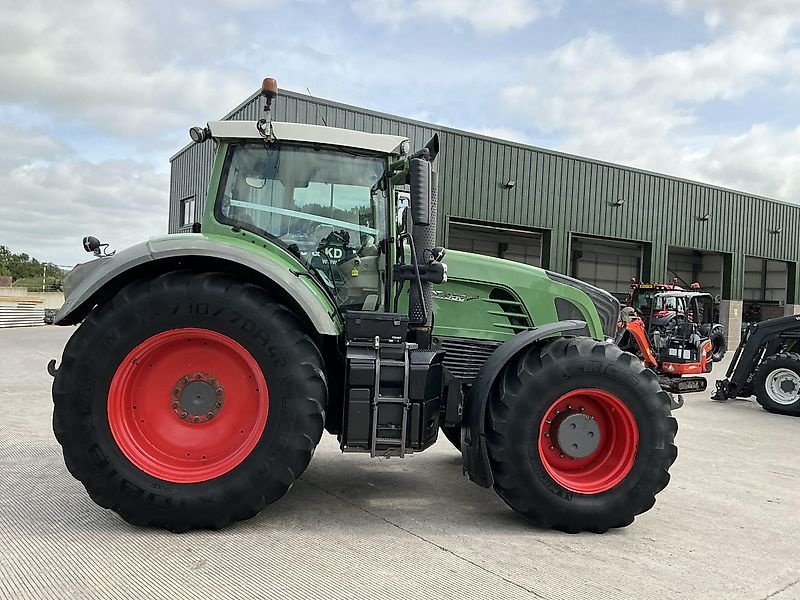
679, 352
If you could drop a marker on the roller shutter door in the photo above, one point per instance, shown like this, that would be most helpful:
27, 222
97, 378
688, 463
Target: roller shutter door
607, 264
500, 242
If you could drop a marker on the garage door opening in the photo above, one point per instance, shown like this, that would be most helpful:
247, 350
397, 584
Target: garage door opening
765, 289
499, 241
689, 266
606, 263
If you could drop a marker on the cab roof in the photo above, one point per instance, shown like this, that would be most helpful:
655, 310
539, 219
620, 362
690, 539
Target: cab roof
299, 132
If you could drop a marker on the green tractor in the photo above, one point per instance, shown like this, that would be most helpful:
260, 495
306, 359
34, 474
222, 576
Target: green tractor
312, 297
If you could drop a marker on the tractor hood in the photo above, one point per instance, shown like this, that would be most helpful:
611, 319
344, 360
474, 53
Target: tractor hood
481, 289
313, 134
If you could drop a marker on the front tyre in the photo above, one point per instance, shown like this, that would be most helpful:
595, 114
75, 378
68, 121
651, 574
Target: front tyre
580, 436
777, 384
189, 401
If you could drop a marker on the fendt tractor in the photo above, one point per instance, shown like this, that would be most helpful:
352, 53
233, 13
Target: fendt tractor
312, 296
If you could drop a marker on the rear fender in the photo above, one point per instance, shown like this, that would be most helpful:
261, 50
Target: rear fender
473, 431
91, 282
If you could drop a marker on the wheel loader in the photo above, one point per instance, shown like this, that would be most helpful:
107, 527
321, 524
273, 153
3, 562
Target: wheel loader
312, 297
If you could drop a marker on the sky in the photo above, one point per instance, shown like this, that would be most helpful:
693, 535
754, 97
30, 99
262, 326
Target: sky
96, 95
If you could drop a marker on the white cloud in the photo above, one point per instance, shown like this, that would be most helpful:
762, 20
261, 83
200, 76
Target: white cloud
643, 110
108, 65
741, 13
762, 158
504, 133
487, 17
53, 197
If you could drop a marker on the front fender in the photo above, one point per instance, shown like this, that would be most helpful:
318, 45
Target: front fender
87, 282
473, 430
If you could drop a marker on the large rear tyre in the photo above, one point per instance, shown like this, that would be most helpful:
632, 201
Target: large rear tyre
777, 384
580, 436
189, 401
718, 343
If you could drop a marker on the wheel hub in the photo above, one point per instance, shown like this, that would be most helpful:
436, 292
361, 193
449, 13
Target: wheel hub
578, 435
588, 440
197, 398
783, 386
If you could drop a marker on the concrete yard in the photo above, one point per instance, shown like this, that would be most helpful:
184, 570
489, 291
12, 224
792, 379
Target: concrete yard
728, 525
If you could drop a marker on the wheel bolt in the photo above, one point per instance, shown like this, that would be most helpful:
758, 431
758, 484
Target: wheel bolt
546, 434
218, 404
219, 392
197, 419
552, 447
175, 404
184, 414
176, 391
582, 409
561, 455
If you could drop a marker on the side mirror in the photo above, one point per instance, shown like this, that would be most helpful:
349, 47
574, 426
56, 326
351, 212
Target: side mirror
420, 178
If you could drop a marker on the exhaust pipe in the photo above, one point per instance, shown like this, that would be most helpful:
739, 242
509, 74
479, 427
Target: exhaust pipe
424, 186
424, 237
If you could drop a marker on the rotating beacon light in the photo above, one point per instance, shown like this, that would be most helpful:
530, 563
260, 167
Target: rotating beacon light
269, 89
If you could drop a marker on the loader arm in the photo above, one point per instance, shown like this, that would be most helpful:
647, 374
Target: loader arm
759, 341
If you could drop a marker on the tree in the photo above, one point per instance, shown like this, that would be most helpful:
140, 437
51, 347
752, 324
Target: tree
22, 266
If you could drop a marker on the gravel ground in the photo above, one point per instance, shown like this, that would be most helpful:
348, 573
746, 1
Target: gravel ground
727, 526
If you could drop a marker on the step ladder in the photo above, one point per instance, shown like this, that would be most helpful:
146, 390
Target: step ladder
395, 445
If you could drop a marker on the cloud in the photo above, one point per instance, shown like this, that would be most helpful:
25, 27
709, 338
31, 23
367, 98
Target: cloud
504, 133
109, 66
49, 202
761, 158
486, 17
741, 13
644, 110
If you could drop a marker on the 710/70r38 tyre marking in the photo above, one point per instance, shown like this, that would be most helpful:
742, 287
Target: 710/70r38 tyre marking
188, 405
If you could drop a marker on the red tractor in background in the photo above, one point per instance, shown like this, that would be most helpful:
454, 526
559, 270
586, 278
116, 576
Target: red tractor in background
659, 311
669, 334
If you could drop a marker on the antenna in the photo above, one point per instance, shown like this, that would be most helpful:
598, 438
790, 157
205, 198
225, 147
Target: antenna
316, 103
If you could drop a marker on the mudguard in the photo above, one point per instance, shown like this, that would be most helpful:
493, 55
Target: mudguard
86, 283
473, 432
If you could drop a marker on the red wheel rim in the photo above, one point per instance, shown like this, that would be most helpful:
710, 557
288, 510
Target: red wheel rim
172, 433
618, 440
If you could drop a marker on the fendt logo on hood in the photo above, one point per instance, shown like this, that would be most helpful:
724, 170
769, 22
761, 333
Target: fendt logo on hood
453, 297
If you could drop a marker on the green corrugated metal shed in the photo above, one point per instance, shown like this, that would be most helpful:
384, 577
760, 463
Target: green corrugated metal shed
557, 194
